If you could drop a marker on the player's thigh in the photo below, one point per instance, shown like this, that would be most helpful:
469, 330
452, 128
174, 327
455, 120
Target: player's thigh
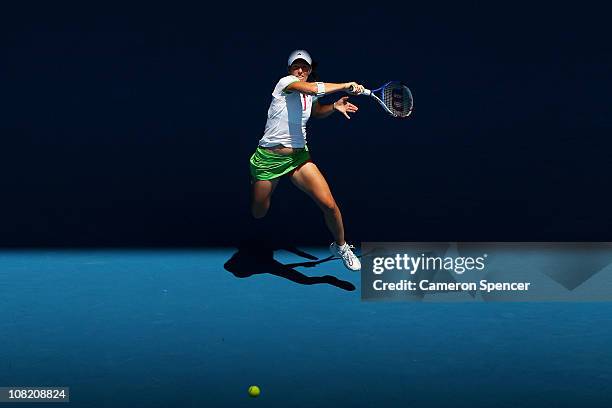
310, 180
263, 189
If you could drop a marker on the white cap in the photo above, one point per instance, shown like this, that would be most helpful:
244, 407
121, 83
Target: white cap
299, 54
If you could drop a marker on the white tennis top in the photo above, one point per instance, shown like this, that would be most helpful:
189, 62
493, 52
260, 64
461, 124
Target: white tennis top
287, 116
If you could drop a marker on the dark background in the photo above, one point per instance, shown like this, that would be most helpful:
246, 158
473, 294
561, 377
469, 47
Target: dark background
133, 126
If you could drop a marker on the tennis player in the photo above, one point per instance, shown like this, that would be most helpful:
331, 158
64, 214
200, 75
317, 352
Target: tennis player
283, 149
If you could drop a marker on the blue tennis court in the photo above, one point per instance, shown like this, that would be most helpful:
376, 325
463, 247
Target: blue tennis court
196, 328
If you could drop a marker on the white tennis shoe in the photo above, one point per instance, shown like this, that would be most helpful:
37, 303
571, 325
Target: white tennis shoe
346, 253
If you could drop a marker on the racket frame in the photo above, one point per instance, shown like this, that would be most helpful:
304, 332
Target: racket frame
372, 94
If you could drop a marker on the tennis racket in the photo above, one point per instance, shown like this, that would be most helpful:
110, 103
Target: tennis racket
394, 97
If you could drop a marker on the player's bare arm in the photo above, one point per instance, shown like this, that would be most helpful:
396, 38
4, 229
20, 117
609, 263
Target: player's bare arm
314, 88
342, 105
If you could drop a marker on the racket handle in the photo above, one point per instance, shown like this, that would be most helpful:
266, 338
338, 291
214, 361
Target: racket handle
365, 92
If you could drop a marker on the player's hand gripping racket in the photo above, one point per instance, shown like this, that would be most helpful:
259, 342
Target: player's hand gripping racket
394, 97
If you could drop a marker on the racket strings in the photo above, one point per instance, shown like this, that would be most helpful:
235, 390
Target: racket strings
398, 99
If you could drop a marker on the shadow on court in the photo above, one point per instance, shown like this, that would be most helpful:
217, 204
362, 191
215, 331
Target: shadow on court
257, 258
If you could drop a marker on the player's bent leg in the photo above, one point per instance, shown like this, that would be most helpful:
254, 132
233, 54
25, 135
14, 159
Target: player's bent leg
309, 179
262, 192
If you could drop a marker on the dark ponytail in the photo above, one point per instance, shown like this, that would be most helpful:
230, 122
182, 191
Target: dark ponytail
314, 75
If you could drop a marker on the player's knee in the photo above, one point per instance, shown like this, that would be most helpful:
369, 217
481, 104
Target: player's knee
328, 206
259, 214
259, 211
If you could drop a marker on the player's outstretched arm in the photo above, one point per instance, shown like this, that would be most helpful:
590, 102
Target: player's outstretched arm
324, 88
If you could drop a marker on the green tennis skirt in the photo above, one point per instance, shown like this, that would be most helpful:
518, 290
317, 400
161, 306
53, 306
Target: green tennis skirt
267, 165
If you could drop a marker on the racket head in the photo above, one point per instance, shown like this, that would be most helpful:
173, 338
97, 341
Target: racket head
397, 98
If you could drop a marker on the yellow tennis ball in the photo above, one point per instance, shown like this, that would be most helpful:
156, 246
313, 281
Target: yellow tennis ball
254, 391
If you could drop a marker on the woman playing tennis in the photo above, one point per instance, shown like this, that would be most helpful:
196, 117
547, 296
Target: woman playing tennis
283, 150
